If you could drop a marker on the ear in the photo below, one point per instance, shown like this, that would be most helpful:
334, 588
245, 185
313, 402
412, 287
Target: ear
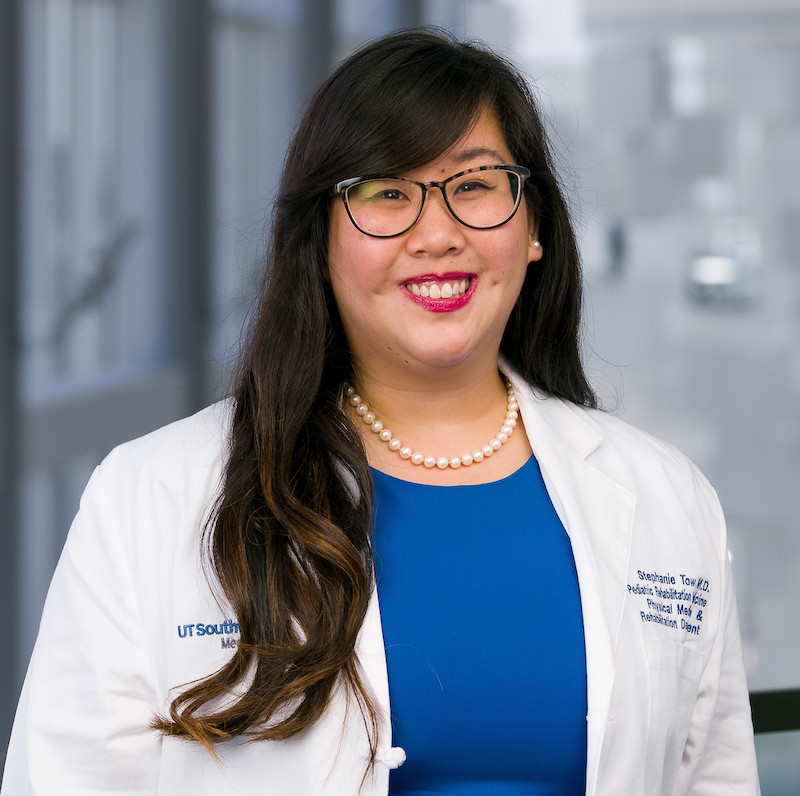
535, 250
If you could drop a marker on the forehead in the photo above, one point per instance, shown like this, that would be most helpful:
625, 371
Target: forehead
483, 144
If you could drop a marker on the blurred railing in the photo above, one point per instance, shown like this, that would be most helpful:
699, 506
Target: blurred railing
776, 711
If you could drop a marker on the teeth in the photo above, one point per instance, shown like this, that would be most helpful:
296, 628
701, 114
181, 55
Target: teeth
444, 290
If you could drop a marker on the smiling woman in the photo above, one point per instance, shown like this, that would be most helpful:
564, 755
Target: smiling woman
424, 312
415, 544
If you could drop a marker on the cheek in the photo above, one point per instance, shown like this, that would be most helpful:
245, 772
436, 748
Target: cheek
345, 290
342, 267
350, 275
511, 255
350, 253
353, 280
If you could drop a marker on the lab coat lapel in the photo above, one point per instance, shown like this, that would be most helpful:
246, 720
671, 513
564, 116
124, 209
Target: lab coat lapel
372, 655
598, 514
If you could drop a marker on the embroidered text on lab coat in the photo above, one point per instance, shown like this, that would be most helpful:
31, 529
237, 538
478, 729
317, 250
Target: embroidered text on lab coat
674, 602
227, 630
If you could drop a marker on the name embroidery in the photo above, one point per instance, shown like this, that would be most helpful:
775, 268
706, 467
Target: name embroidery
670, 601
227, 630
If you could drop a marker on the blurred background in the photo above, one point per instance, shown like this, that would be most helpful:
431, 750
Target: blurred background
140, 143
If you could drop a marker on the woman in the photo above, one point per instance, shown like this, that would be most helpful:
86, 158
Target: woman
556, 611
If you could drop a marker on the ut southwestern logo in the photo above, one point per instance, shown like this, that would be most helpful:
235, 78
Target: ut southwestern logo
227, 631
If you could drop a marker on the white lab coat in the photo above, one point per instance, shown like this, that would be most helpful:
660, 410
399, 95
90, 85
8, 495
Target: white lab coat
130, 615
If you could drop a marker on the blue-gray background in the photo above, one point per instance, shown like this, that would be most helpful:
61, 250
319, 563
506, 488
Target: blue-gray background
140, 142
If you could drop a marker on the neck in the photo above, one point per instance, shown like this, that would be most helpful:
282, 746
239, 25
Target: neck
440, 421
452, 395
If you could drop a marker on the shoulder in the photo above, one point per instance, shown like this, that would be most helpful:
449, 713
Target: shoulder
637, 452
642, 463
142, 513
171, 475
194, 443
620, 437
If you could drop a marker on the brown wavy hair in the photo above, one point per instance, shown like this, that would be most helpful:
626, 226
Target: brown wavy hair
289, 543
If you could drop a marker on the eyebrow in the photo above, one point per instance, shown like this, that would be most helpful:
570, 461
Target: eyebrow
476, 152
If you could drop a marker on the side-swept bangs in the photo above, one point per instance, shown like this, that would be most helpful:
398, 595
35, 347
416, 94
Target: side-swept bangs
395, 105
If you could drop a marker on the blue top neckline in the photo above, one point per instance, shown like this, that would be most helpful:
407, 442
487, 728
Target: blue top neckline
520, 470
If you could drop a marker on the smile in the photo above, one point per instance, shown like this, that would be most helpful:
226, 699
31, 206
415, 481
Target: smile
445, 293
437, 290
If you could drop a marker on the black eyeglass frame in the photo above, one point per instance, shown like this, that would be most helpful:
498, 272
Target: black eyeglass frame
343, 187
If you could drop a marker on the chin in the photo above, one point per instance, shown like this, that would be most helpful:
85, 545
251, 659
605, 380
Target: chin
447, 356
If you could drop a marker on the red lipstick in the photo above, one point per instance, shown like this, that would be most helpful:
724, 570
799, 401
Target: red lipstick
440, 304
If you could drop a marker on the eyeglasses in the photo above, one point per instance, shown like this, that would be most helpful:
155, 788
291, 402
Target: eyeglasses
483, 197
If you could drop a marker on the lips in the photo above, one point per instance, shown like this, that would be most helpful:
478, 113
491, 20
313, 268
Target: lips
437, 289
441, 293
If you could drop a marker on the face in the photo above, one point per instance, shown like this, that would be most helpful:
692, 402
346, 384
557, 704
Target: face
471, 277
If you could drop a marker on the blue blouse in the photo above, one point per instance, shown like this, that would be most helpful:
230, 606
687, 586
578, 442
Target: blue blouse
484, 641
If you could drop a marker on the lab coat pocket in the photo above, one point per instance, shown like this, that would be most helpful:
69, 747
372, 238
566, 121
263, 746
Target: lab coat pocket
675, 672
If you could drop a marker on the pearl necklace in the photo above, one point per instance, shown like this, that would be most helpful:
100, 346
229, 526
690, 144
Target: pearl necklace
442, 462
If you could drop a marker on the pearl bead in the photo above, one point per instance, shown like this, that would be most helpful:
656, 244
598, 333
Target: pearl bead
442, 462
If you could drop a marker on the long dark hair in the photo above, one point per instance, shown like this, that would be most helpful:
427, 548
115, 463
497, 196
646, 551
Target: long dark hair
290, 539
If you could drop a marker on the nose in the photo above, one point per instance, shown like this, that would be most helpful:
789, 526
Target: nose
437, 232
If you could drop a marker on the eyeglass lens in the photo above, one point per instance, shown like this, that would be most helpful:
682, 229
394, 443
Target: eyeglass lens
390, 206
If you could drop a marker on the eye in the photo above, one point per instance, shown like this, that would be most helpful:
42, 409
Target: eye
389, 194
473, 186
383, 191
